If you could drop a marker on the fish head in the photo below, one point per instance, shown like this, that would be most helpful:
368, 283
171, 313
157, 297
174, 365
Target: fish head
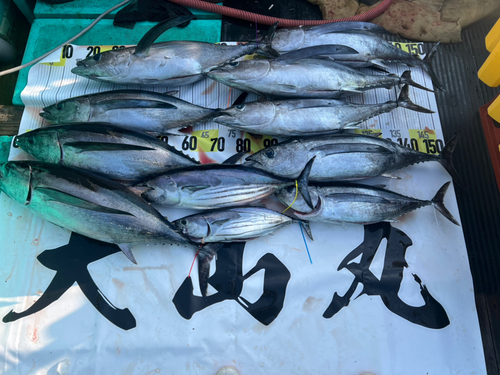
15, 179
42, 143
289, 195
284, 159
162, 190
104, 66
286, 40
236, 72
68, 111
246, 115
195, 227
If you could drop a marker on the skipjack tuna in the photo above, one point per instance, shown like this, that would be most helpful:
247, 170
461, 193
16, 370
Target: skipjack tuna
217, 186
234, 224
345, 157
305, 117
169, 63
364, 38
297, 75
132, 109
107, 150
358, 204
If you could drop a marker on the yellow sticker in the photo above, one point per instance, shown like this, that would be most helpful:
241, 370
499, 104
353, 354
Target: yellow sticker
374, 132
415, 49
206, 141
425, 141
253, 143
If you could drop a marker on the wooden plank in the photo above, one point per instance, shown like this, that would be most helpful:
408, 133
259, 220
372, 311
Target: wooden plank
10, 118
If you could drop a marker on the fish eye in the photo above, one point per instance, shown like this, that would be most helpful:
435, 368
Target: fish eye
184, 222
236, 63
59, 106
269, 153
240, 107
97, 57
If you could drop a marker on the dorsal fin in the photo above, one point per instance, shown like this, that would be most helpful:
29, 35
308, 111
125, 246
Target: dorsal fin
336, 27
142, 48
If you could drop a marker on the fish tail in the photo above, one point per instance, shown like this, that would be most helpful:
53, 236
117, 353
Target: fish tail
438, 203
428, 67
406, 78
303, 182
264, 45
205, 256
447, 162
405, 102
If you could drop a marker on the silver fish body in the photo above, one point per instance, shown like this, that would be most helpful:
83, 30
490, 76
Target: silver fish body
87, 204
107, 150
358, 204
305, 117
232, 225
305, 78
209, 187
168, 63
344, 157
132, 109
371, 48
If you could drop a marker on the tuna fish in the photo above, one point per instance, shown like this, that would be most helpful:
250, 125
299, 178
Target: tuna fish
364, 38
233, 225
345, 157
304, 117
297, 75
358, 204
87, 204
107, 150
216, 186
169, 63
132, 109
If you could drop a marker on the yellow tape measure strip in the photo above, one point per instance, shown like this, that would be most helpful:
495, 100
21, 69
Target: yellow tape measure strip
296, 194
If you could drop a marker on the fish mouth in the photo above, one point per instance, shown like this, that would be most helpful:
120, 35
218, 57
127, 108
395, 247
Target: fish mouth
46, 115
250, 162
225, 118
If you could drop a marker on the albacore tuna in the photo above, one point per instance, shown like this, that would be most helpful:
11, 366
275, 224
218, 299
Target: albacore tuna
370, 49
358, 204
305, 117
168, 63
299, 75
132, 109
345, 157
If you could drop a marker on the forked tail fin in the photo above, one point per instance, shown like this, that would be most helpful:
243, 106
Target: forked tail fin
438, 203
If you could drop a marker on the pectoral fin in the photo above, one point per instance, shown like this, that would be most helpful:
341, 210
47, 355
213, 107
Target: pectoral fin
135, 103
70, 200
92, 146
333, 148
360, 198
